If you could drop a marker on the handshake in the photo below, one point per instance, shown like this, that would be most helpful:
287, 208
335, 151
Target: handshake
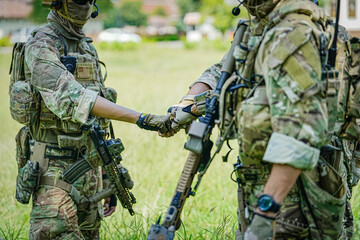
179, 116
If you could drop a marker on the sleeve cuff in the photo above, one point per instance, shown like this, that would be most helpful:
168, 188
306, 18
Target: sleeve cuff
84, 105
283, 149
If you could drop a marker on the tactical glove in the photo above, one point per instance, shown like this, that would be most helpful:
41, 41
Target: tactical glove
260, 228
151, 122
186, 111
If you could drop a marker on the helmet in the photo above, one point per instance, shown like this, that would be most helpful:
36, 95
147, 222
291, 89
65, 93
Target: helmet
76, 11
260, 8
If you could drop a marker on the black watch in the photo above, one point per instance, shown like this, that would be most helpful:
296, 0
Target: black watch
266, 203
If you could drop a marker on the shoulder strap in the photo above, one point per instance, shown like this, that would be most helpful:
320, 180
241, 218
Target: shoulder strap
17, 72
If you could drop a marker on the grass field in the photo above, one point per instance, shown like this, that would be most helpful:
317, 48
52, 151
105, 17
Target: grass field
148, 79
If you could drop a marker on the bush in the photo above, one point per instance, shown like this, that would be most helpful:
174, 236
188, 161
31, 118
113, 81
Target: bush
158, 38
5, 42
116, 46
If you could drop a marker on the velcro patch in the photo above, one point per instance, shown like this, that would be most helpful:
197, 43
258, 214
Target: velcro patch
85, 71
287, 46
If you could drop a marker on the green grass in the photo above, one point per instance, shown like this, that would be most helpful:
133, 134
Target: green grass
147, 79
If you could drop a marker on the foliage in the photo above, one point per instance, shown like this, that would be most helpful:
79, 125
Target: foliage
186, 6
104, 6
5, 42
39, 13
116, 46
159, 11
221, 13
172, 37
129, 13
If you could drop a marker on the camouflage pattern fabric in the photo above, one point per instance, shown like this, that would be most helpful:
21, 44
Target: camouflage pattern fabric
56, 216
65, 104
289, 101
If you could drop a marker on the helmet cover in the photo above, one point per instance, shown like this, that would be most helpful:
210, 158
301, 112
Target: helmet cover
260, 8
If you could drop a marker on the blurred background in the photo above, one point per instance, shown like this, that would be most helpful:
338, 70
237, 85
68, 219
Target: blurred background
151, 20
153, 49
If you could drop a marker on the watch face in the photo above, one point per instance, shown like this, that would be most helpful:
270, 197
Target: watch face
265, 203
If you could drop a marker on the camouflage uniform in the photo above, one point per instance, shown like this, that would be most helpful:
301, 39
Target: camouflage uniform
285, 118
64, 101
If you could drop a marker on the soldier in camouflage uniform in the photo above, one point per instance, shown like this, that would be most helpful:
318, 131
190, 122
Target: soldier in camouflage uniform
66, 99
288, 188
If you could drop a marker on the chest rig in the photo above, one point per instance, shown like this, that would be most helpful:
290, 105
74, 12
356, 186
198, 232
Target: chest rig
82, 61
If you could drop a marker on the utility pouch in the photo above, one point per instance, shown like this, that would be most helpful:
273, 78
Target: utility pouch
22, 103
323, 197
27, 181
22, 146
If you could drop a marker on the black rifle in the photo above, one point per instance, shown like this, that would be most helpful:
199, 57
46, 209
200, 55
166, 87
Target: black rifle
199, 145
120, 181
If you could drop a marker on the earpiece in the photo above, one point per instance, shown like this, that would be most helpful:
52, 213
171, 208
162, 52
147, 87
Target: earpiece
236, 10
95, 13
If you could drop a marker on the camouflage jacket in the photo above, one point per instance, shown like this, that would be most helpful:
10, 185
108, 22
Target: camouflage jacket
289, 105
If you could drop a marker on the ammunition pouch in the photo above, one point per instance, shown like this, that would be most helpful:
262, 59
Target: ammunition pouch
27, 181
22, 146
23, 107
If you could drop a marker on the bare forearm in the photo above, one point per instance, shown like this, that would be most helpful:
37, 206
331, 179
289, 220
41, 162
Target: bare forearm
198, 88
281, 180
106, 109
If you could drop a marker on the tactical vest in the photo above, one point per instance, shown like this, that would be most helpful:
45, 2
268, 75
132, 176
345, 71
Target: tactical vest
87, 73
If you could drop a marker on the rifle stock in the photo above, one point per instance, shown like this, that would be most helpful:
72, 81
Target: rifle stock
199, 146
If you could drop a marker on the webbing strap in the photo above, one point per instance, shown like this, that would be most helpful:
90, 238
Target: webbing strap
67, 187
50, 181
243, 223
39, 156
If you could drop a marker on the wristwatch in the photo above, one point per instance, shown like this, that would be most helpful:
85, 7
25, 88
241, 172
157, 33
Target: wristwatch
266, 203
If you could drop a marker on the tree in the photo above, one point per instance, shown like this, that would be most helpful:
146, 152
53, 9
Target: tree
105, 6
220, 11
129, 13
39, 13
186, 6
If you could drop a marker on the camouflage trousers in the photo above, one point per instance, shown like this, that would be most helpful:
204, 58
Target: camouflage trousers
54, 213
313, 209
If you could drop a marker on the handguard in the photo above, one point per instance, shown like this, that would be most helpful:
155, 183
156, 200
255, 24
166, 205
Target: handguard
120, 180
